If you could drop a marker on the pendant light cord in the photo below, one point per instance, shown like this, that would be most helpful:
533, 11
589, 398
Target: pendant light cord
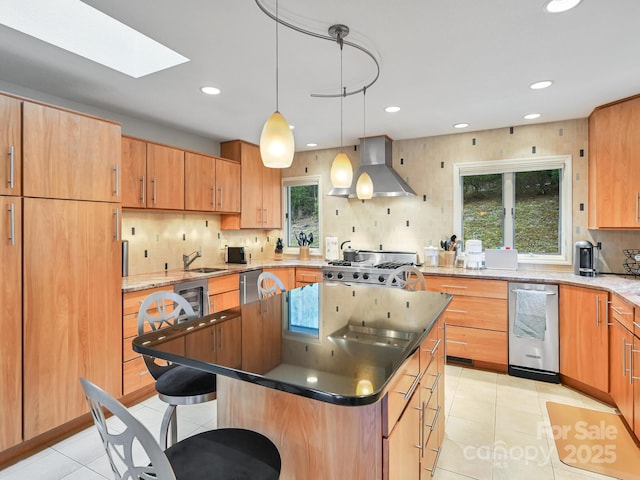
277, 62
344, 90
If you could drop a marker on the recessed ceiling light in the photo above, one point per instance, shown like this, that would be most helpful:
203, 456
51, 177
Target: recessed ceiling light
210, 90
81, 29
532, 116
541, 84
559, 6
461, 125
392, 109
312, 144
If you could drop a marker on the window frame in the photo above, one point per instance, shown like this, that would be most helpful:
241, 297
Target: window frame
293, 182
514, 165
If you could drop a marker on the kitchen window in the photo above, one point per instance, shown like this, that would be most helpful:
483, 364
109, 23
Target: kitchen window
302, 212
520, 203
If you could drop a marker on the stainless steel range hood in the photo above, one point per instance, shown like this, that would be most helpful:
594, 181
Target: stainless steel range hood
375, 159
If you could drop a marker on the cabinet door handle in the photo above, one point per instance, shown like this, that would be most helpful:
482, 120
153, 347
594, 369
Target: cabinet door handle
624, 357
408, 393
12, 224
220, 198
637, 205
435, 417
451, 310
422, 442
258, 216
213, 196
597, 311
116, 214
142, 189
213, 333
454, 286
116, 171
432, 470
630, 345
154, 190
11, 165
435, 383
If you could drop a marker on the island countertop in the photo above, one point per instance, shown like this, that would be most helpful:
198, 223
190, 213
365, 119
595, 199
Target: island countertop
321, 341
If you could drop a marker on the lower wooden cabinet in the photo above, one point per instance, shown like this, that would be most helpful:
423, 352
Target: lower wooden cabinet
224, 292
307, 275
584, 336
286, 276
222, 345
477, 318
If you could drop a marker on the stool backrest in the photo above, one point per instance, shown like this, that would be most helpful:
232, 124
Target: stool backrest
268, 285
407, 277
122, 440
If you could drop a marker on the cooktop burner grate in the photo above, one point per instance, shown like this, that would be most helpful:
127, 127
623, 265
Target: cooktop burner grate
392, 265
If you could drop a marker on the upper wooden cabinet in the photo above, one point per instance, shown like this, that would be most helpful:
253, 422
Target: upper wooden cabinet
69, 155
261, 189
165, 172
10, 146
614, 166
134, 172
211, 184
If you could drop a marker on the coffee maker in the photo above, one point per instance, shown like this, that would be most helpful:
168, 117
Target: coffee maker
584, 259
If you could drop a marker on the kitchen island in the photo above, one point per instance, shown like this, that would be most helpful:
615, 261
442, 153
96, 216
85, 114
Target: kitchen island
346, 380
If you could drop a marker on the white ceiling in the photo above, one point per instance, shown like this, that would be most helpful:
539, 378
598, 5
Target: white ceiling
441, 62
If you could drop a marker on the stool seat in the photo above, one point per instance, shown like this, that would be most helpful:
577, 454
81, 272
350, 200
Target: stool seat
182, 381
225, 453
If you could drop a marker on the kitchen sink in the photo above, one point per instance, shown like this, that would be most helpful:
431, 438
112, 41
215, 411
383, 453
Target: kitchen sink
205, 270
372, 336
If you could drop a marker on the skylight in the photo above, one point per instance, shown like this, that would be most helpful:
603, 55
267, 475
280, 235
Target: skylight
81, 29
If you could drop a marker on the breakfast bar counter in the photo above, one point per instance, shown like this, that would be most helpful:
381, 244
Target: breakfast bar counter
326, 371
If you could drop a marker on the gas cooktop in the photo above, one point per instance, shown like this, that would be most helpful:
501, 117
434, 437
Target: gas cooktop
371, 267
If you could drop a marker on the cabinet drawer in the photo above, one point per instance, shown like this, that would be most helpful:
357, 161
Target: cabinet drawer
472, 287
224, 301
487, 313
622, 311
132, 300
400, 392
224, 284
135, 375
477, 344
127, 350
308, 275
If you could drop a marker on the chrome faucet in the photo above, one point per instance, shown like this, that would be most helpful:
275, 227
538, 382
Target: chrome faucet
187, 260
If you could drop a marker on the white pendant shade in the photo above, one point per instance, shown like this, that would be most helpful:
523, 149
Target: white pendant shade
364, 187
277, 145
341, 172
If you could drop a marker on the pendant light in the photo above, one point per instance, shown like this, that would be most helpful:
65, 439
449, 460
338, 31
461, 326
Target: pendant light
364, 186
277, 145
341, 169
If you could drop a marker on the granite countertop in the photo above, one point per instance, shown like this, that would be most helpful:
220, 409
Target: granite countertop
625, 285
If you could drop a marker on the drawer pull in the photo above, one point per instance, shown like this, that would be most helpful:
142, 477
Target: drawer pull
618, 311
435, 418
435, 383
435, 462
636, 324
408, 393
143, 372
456, 342
454, 286
451, 310
434, 349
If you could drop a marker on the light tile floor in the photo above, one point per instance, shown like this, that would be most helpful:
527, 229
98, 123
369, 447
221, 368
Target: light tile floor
495, 429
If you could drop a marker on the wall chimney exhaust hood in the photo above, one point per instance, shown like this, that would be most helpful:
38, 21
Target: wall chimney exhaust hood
375, 159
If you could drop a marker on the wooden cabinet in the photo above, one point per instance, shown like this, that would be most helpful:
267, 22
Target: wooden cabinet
307, 275
584, 343
614, 192
134, 173
211, 184
135, 374
286, 275
11, 338
262, 336
476, 318
72, 307
10, 146
635, 375
165, 177
69, 156
413, 410
224, 292
261, 189
221, 344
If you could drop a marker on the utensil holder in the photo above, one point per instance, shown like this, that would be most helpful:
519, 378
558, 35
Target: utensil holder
304, 253
446, 258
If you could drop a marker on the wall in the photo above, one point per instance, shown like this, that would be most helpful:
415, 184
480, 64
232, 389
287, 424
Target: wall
411, 223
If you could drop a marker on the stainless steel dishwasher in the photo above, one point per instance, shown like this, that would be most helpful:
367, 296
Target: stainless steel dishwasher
249, 286
534, 350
